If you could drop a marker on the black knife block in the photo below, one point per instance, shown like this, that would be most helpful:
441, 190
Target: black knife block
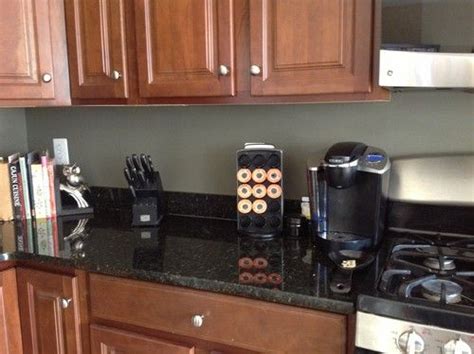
148, 207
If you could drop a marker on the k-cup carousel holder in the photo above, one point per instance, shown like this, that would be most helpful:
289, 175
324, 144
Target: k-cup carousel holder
259, 190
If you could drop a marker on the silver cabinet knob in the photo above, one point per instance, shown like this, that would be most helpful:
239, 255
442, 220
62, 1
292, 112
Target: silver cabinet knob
224, 70
457, 346
255, 70
411, 342
197, 320
46, 77
390, 72
65, 303
115, 75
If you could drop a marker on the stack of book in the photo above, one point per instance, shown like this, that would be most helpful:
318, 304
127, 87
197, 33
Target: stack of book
28, 197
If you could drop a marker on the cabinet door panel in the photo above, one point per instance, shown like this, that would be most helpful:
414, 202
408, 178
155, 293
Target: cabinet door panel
10, 335
311, 46
25, 41
113, 341
47, 327
33, 64
96, 32
181, 44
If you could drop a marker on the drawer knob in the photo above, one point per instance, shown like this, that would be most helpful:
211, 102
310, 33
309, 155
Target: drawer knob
115, 75
255, 70
197, 320
224, 70
65, 303
46, 77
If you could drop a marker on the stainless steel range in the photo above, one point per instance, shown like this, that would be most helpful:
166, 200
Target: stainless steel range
424, 301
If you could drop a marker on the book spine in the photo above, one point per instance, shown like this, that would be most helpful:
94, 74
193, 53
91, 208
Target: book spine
38, 191
21, 238
52, 192
26, 188
30, 235
47, 198
6, 205
29, 176
55, 235
42, 237
15, 187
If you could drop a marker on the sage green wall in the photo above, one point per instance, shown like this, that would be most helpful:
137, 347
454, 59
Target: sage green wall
194, 147
12, 131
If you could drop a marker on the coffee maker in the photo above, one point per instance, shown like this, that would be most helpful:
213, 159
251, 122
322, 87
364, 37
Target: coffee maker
348, 192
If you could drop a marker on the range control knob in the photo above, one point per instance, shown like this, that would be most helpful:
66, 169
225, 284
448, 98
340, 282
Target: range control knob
411, 342
457, 346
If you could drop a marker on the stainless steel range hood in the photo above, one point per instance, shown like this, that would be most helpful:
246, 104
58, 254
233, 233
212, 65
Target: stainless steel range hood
399, 69
427, 44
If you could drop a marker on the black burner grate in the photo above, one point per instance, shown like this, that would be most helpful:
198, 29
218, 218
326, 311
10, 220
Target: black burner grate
433, 268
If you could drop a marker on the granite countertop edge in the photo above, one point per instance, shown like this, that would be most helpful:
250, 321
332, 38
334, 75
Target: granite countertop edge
282, 297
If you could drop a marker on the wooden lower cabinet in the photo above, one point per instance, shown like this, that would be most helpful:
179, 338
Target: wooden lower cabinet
49, 312
242, 325
97, 314
10, 335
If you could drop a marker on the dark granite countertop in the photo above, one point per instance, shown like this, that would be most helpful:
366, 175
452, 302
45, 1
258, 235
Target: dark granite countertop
197, 253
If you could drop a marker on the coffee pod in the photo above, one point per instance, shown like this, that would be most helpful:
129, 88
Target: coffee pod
274, 191
259, 175
244, 206
259, 191
246, 278
244, 191
244, 175
260, 263
274, 175
260, 278
246, 262
259, 206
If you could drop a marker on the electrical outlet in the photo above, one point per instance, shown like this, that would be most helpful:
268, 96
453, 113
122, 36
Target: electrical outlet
61, 151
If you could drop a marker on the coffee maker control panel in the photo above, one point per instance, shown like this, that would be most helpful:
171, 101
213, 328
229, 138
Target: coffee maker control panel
374, 160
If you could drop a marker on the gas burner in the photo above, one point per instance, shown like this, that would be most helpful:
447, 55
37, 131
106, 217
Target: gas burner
440, 290
436, 272
439, 263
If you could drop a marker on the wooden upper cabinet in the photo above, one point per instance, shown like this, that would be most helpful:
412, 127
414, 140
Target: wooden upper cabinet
49, 313
10, 335
304, 47
33, 60
96, 32
185, 48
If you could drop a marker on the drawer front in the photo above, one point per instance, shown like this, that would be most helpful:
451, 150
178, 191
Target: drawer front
235, 321
111, 340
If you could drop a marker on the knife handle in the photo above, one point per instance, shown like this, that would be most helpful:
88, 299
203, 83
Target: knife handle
141, 177
129, 163
145, 164
132, 189
137, 162
152, 169
128, 177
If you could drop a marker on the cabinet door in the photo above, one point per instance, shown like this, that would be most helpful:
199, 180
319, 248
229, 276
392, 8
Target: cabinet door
33, 64
181, 46
96, 32
110, 341
49, 309
10, 335
303, 47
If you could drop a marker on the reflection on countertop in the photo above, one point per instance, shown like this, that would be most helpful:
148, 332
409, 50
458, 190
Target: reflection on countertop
200, 253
